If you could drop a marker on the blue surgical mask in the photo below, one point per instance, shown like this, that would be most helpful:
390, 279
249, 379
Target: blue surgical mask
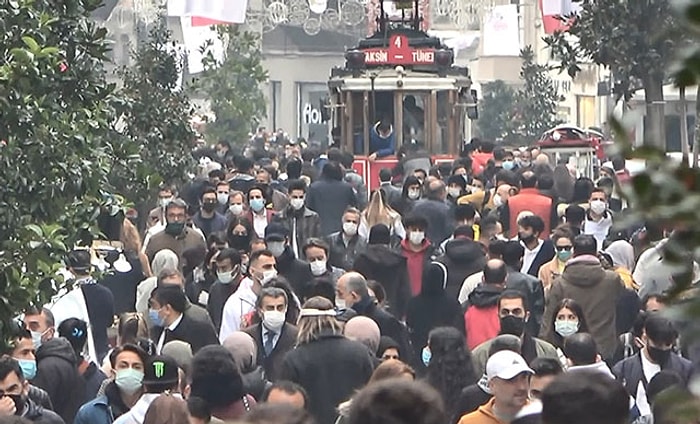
426, 355
129, 380
155, 318
566, 328
508, 165
28, 368
257, 204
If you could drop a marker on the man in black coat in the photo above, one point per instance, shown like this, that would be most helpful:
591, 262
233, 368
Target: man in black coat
167, 310
16, 401
329, 197
273, 336
297, 272
56, 364
438, 213
352, 289
528, 285
463, 257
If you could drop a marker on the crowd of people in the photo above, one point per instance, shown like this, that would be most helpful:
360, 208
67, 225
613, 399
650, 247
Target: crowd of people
274, 287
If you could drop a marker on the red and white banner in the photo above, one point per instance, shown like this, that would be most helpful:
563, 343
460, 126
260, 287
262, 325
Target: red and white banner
209, 12
553, 9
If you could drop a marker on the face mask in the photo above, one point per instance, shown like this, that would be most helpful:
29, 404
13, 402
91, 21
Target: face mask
318, 268
209, 206
524, 163
155, 318
274, 320
257, 204
349, 228
222, 198
276, 248
416, 237
296, 203
267, 276
564, 255
164, 202
413, 194
174, 228
566, 328
129, 380
220, 154
454, 191
236, 209
225, 277
512, 325
36, 339
426, 355
497, 200
526, 238
508, 165
340, 304
598, 207
19, 401
28, 368
659, 356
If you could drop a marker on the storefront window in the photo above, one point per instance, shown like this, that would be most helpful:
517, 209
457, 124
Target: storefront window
312, 116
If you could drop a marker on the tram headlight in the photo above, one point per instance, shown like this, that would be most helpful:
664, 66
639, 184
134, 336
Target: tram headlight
355, 59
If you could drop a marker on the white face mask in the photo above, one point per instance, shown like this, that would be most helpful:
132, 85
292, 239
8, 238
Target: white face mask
340, 303
276, 248
413, 194
454, 191
268, 275
225, 277
598, 207
274, 320
164, 202
497, 200
318, 268
416, 237
296, 203
222, 198
349, 228
236, 209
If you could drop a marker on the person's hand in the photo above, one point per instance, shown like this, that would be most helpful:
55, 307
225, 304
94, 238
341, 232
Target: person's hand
7, 406
372, 157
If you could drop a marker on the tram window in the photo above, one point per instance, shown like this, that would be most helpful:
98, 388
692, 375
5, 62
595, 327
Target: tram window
413, 119
443, 134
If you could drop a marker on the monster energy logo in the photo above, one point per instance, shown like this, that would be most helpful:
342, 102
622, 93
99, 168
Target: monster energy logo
159, 369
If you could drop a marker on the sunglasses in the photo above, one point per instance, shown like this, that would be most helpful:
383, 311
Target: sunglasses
563, 248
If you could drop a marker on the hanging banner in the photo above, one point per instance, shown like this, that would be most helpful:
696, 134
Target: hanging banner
501, 35
209, 12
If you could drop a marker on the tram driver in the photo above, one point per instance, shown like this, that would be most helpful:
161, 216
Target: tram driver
382, 140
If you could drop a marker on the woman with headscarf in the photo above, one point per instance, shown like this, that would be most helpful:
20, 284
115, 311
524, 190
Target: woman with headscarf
433, 307
379, 212
242, 348
164, 259
622, 254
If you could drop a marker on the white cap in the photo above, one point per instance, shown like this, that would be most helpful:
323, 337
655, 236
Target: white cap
506, 365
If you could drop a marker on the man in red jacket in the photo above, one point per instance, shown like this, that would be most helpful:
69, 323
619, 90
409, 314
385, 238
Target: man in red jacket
481, 319
529, 199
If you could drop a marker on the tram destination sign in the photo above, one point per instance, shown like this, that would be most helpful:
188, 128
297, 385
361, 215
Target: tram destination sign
399, 52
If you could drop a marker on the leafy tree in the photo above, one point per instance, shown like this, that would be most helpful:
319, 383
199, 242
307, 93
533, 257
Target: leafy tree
232, 85
496, 110
156, 135
55, 115
536, 101
635, 40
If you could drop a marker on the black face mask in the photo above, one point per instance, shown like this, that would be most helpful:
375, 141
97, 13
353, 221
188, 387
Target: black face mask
19, 401
209, 206
526, 238
659, 356
239, 241
512, 325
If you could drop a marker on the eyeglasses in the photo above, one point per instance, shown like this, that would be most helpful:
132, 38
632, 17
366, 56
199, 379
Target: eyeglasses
563, 248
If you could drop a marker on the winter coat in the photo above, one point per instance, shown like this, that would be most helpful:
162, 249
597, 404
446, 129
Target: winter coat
40, 397
38, 415
462, 257
306, 221
597, 291
342, 256
330, 369
57, 370
629, 371
104, 409
532, 348
329, 199
295, 271
255, 382
389, 268
388, 325
481, 317
531, 287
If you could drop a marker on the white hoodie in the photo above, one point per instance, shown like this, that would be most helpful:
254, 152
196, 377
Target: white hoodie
137, 414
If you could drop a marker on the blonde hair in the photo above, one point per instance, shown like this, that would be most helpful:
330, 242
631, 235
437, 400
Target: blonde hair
130, 238
312, 327
378, 212
131, 327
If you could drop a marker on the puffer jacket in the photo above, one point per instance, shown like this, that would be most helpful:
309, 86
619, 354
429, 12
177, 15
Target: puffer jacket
462, 257
389, 268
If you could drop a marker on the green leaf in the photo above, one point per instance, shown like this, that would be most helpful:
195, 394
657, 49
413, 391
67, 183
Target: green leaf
31, 43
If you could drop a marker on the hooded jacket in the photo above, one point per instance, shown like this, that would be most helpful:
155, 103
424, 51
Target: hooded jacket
597, 291
462, 257
433, 307
57, 370
416, 262
389, 268
295, 271
481, 317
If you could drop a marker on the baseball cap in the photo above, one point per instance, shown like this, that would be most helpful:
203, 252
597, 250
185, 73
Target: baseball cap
275, 232
161, 369
506, 365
